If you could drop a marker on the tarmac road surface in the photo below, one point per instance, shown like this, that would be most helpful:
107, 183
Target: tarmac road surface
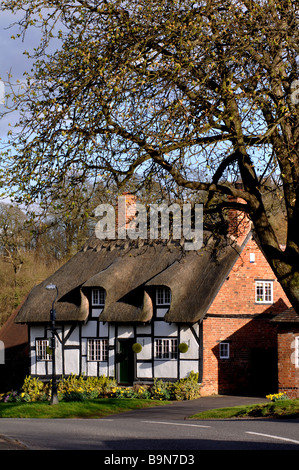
157, 429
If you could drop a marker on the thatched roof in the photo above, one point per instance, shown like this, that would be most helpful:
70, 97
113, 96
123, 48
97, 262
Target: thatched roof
128, 270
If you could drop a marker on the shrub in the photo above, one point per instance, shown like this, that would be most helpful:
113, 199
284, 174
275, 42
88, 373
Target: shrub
80, 388
124, 392
36, 389
142, 392
187, 388
183, 347
161, 390
137, 348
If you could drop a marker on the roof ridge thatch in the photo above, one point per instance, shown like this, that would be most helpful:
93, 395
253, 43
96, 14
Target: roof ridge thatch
127, 268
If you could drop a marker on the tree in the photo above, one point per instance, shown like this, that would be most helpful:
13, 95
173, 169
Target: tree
174, 88
13, 237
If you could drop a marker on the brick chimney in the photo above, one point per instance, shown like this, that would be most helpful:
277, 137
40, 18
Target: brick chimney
125, 213
239, 223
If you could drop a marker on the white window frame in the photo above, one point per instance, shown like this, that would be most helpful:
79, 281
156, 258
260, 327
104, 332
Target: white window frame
224, 350
263, 291
163, 296
41, 350
166, 348
98, 297
97, 350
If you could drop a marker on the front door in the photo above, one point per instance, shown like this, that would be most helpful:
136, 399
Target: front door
125, 361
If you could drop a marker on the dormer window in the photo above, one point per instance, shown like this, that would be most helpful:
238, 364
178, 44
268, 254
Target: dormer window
98, 297
163, 296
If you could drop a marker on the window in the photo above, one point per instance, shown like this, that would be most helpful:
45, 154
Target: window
166, 348
264, 292
224, 350
163, 296
97, 350
98, 297
42, 346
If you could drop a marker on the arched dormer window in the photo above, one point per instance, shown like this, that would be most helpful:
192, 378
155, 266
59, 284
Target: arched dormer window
98, 297
163, 296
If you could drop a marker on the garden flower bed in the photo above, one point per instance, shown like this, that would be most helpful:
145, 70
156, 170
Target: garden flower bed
79, 388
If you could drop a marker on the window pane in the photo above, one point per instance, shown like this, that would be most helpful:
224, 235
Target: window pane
174, 348
159, 348
259, 292
98, 297
163, 296
97, 350
41, 350
167, 296
268, 295
224, 350
264, 291
166, 348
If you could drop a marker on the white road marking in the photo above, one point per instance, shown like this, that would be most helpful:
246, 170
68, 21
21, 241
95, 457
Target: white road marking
273, 437
176, 424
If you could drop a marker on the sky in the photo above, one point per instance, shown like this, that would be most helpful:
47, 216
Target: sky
12, 60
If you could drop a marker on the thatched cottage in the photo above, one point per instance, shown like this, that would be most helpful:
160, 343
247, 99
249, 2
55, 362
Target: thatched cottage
113, 294
138, 309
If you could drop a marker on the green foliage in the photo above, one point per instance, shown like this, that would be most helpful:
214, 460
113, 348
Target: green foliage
161, 390
187, 388
80, 388
277, 396
183, 347
137, 391
35, 389
137, 348
74, 388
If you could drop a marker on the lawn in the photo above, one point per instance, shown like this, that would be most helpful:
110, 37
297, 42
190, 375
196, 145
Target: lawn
279, 409
98, 408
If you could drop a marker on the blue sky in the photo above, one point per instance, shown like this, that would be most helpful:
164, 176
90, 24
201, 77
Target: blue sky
12, 59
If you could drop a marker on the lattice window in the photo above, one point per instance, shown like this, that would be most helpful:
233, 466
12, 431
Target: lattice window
166, 348
97, 350
163, 296
42, 350
98, 297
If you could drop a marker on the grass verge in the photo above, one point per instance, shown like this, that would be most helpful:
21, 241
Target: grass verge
278, 409
85, 409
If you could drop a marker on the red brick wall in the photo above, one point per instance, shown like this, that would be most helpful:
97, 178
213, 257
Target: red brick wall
252, 366
237, 294
235, 317
288, 370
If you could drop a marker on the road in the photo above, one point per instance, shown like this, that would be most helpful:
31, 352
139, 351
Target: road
156, 429
121, 434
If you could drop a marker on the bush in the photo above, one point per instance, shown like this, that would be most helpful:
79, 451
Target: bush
35, 389
137, 348
187, 388
81, 388
78, 388
183, 347
161, 390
